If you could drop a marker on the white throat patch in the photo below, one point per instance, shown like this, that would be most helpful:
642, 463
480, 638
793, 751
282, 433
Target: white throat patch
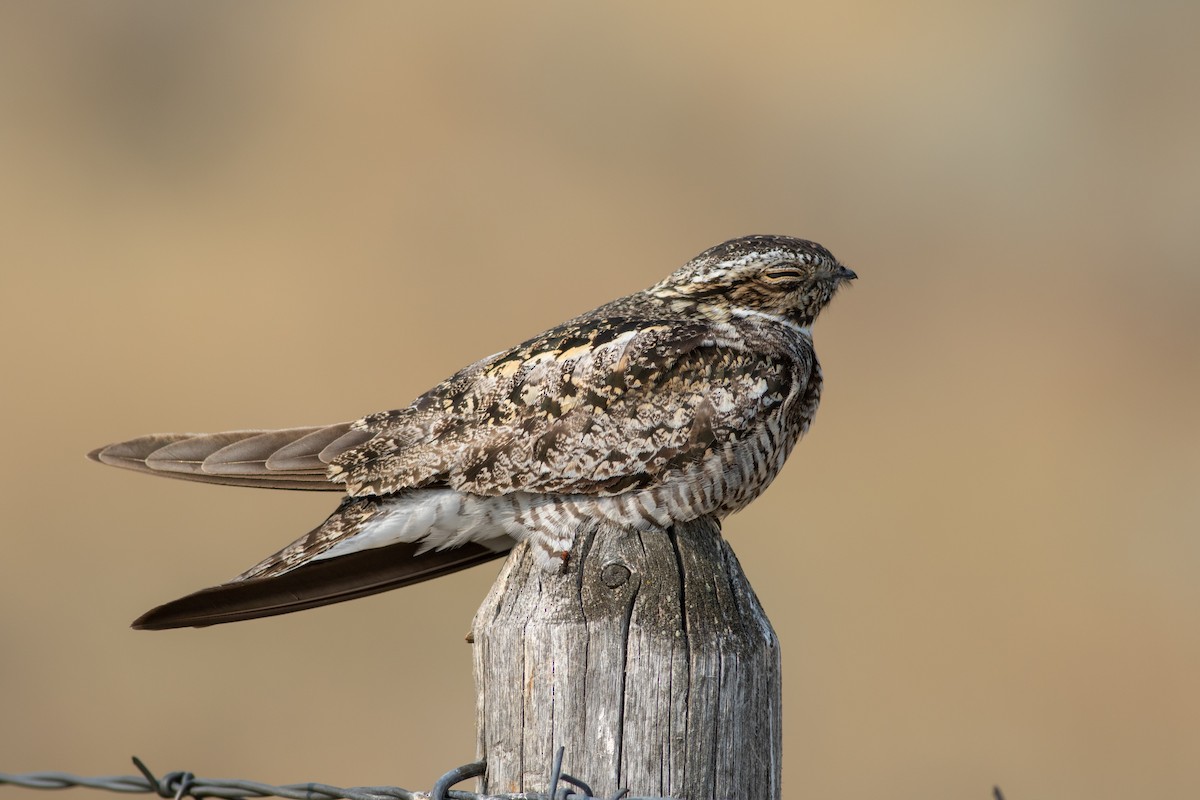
776, 318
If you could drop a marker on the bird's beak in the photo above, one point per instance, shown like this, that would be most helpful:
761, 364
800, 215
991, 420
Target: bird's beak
846, 274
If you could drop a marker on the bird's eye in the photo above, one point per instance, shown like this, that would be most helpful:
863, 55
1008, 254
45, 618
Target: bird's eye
783, 274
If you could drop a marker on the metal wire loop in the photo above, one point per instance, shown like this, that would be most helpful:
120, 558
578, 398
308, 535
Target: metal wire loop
456, 775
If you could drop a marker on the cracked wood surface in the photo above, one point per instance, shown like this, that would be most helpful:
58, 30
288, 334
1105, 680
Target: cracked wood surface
648, 657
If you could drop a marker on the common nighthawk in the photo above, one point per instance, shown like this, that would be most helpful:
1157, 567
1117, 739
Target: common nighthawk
670, 404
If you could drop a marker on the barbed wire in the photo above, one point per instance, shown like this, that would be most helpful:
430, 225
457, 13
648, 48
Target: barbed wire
178, 785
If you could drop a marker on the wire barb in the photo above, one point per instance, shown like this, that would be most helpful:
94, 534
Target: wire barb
181, 780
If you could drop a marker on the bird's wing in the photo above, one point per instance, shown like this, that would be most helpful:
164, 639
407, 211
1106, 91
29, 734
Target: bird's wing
598, 407
318, 569
315, 583
294, 458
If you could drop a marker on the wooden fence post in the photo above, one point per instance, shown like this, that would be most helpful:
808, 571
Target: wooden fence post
649, 658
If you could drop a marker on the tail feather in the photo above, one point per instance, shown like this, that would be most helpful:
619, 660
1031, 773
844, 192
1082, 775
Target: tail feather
294, 458
316, 449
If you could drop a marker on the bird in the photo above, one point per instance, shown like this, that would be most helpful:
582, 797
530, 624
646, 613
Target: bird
674, 403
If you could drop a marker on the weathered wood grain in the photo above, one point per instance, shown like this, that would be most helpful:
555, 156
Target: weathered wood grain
649, 658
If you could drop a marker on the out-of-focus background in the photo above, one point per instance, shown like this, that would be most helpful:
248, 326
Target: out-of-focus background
982, 563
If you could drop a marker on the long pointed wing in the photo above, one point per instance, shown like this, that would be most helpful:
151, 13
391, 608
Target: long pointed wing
294, 458
316, 583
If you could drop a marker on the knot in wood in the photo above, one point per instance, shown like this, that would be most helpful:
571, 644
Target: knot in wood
614, 574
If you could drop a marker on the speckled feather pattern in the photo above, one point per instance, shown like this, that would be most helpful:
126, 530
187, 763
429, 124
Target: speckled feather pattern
677, 402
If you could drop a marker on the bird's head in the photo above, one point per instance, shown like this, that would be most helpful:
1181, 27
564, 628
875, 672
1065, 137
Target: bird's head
779, 276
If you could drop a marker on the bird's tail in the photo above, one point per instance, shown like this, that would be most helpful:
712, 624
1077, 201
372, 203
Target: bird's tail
294, 458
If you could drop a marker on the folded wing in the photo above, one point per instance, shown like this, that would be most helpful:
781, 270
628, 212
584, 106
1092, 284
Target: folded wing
316, 583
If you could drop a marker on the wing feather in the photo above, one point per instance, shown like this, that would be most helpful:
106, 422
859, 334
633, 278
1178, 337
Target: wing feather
316, 583
563, 414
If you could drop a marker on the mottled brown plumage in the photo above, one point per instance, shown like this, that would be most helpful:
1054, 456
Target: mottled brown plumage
677, 402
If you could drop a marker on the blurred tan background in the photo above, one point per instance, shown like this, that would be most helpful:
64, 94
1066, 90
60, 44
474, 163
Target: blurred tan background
983, 561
